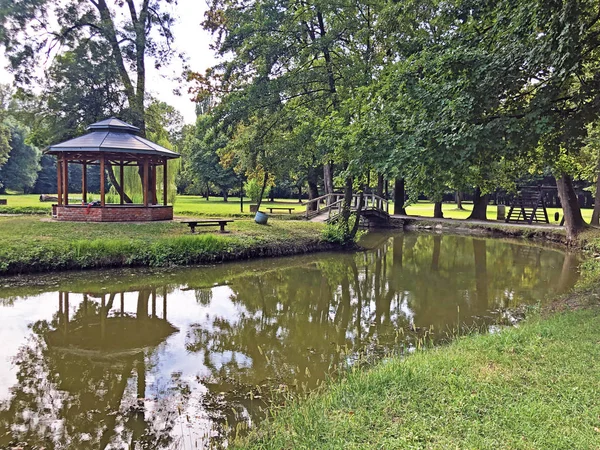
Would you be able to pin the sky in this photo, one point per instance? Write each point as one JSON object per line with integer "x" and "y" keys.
{"x": 190, "y": 39}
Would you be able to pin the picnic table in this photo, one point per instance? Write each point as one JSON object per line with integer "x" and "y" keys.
{"x": 271, "y": 208}
{"x": 207, "y": 223}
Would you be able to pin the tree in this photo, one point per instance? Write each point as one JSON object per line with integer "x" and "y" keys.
{"x": 591, "y": 153}
{"x": 5, "y": 100}
{"x": 164, "y": 123}
{"x": 202, "y": 147}
{"x": 32, "y": 27}
{"x": 550, "y": 47}
{"x": 20, "y": 171}
{"x": 287, "y": 71}
{"x": 81, "y": 88}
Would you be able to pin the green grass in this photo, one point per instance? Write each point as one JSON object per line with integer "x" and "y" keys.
{"x": 535, "y": 386}
{"x": 32, "y": 243}
{"x": 194, "y": 205}
{"x": 450, "y": 211}
{"x": 186, "y": 205}
{"x": 191, "y": 205}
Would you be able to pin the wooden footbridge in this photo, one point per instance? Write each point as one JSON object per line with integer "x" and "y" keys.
{"x": 328, "y": 207}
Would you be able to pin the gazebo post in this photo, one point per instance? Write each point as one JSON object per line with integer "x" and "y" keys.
{"x": 165, "y": 182}
{"x": 66, "y": 180}
{"x": 84, "y": 182}
{"x": 59, "y": 180}
{"x": 153, "y": 199}
{"x": 145, "y": 183}
{"x": 122, "y": 193}
{"x": 102, "y": 182}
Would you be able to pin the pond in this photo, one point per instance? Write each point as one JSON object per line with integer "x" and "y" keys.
{"x": 187, "y": 358}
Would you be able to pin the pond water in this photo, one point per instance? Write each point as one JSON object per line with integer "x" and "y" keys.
{"x": 187, "y": 358}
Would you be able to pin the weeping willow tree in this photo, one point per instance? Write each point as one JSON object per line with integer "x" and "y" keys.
{"x": 160, "y": 118}
{"x": 132, "y": 183}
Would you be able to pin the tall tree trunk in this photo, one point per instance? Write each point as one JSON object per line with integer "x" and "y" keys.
{"x": 347, "y": 209}
{"x": 596, "y": 214}
{"x": 262, "y": 190}
{"x": 458, "y": 197}
{"x": 299, "y": 193}
{"x": 328, "y": 178}
{"x": 225, "y": 193}
{"x": 354, "y": 230}
{"x": 327, "y": 168}
{"x": 346, "y": 206}
{"x": 313, "y": 192}
{"x": 572, "y": 212}
{"x": 480, "y": 203}
{"x": 115, "y": 183}
{"x": 140, "y": 26}
{"x": 380, "y": 185}
{"x": 399, "y": 196}
{"x": 437, "y": 210}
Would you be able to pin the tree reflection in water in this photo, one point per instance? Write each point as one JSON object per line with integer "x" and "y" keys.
{"x": 83, "y": 380}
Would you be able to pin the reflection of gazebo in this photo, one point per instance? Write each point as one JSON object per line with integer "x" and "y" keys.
{"x": 108, "y": 329}
{"x": 112, "y": 143}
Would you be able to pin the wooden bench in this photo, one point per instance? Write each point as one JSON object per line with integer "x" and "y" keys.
{"x": 207, "y": 223}
{"x": 3, "y": 201}
{"x": 279, "y": 207}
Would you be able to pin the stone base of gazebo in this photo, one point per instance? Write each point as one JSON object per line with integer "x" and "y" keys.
{"x": 112, "y": 213}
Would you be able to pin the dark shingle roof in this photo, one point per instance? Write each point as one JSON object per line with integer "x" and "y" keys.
{"x": 115, "y": 136}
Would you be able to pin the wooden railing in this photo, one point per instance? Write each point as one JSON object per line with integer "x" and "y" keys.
{"x": 333, "y": 203}
{"x": 321, "y": 204}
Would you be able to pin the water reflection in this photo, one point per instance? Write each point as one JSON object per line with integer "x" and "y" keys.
{"x": 107, "y": 367}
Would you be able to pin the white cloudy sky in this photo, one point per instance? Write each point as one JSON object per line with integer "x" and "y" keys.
{"x": 189, "y": 38}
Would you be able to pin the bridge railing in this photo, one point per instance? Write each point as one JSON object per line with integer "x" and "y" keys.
{"x": 373, "y": 201}
{"x": 332, "y": 203}
{"x": 320, "y": 204}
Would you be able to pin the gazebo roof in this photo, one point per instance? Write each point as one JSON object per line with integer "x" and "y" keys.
{"x": 111, "y": 136}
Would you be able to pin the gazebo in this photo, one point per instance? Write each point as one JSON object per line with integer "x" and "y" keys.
{"x": 112, "y": 143}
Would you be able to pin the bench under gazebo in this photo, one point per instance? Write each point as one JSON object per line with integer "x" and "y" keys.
{"x": 112, "y": 144}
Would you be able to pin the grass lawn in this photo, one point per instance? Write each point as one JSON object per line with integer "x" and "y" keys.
{"x": 195, "y": 205}
{"x": 536, "y": 386}
{"x": 34, "y": 243}
{"x": 191, "y": 205}
{"x": 186, "y": 205}
{"x": 450, "y": 211}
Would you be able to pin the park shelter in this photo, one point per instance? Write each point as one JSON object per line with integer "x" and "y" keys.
{"x": 112, "y": 144}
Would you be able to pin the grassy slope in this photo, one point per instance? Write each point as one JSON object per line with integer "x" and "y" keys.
{"x": 33, "y": 244}
{"x": 194, "y": 205}
{"x": 535, "y": 386}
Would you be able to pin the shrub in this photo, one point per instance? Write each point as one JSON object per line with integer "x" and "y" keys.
{"x": 253, "y": 187}
{"x": 336, "y": 233}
